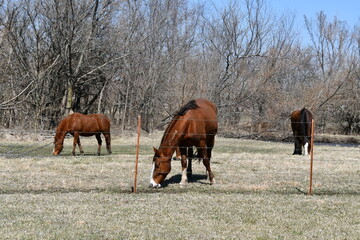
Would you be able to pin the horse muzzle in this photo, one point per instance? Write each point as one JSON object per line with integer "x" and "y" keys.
{"x": 153, "y": 184}
{"x": 55, "y": 152}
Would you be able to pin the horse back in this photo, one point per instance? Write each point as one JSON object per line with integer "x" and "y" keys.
{"x": 86, "y": 124}
{"x": 103, "y": 122}
{"x": 201, "y": 120}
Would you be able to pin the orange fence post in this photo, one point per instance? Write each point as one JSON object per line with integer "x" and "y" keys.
{"x": 311, "y": 156}
{"x": 137, "y": 154}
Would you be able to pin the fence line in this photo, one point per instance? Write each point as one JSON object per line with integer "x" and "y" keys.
{"x": 11, "y": 151}
{"x": 51, "y": 134}
{"x": 7, "y": 149}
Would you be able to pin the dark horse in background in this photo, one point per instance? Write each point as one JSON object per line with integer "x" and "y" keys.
{"x": 195, "y": 124}
{"x": 301, "y": 126}
{"x": 78, "y": 124}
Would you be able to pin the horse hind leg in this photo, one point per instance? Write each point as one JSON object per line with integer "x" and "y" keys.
{"x": 190, "y": 154}
{"x": 209, "y": 146}
{"x": 108, "y": 141}
{"x": 306, "y": 148}
{"x": 206, "y": 162}
{"x": 298, "y": 147}
{"x": 206, "y": 153}
{"x": 80, "y": 147}
{"x": 98, "y": 138}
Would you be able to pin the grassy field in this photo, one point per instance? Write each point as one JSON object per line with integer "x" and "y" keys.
{"x": 260, "y": 193}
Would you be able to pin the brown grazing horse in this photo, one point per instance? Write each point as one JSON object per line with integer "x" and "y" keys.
{"x": 195, "y": 124}
{"x": 82, "y": 125}
{"x": 301, "y": 126}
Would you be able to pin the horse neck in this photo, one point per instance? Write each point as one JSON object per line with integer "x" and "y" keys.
{"x": 171, "y": 138}
{"x": 60, "y": 132}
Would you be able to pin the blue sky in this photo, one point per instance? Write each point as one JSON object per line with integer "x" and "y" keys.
{"x": 344, "y": 10}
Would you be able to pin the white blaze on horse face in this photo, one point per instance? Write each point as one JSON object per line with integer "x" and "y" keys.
{"x": 306, "y": 148}
{"x": 152, "y": 182}
{"x": 55, "y": 152}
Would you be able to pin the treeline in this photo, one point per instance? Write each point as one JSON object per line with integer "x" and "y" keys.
{"x": 126, "y": 58}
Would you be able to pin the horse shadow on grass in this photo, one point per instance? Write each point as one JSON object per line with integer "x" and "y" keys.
{"x": 176, "y": 179}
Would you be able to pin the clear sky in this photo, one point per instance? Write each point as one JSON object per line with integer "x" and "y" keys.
{"x": 344, "y": 10}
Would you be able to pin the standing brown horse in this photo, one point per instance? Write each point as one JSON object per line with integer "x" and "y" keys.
{"x": 82, "y": 125}
{"x": 195, "y": 124}
{"x": 301, "y": 126}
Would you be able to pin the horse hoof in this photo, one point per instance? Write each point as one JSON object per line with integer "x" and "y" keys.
{"x": 183, "y": 183}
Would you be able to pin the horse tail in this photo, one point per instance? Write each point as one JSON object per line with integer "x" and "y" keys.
{"x": 304, "y": 124}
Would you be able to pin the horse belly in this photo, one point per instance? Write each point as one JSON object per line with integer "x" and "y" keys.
{"x": 84, "y": 134}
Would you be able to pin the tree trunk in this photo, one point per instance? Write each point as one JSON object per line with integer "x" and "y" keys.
{"x": 69, "y": 97}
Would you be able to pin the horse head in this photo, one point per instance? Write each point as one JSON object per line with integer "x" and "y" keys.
{"x": 161, "y": 168}
{"x": 58, "y": 142}
{"x": 57, "y": 147}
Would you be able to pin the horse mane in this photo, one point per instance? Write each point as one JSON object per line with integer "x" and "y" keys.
{"x": 181, "y": 112}
{"x": 190, "y": 105}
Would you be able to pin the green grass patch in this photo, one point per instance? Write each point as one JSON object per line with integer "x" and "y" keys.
{"x": 260, "y": 193}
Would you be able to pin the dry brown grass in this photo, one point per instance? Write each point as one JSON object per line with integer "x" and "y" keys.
{"x": 260, "y": 194}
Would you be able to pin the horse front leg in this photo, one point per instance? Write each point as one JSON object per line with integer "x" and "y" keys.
{"x": 98, "y": 138}
{"x": 76, "y": 141}
{"x": 177, "y": 154}
{"x": 184, "y": 166}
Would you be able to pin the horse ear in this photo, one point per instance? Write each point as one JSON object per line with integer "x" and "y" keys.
{"x": 156, "y": 151}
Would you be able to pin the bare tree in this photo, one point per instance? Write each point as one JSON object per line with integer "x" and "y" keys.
{"x": 331, "y": 42}
{"x": 56, "y": 50}
{"x": 236, "y": 38}
{"x": 332, "y": 48}
{"x": 247, "y": 47}
{"x": 160, "y": 36}
{"x": 148, "y": 57}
